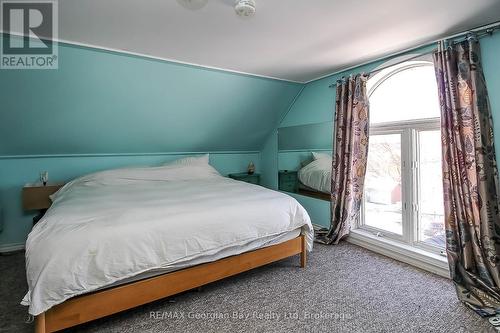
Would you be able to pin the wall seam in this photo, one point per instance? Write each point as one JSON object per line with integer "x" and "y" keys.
{"x": 291, "y": 106}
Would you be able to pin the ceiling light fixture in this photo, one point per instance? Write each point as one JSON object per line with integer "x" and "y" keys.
{"x": 244, "y": 8}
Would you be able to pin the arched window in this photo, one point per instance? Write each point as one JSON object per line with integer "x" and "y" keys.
{"x": 403, "y": 188}
{"x": 407, "y": 91}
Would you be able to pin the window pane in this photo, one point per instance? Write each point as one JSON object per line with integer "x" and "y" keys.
{"x": 431, "y": 207}
{"x": 383, "y": 183}
{"x": 409, "y": 94}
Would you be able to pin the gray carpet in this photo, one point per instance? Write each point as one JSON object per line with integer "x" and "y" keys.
{"x": 343, "y": 289}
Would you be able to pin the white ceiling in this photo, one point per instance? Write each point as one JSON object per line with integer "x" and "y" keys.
{"x": 297, "y": 40}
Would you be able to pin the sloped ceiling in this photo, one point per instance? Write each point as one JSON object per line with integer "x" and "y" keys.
{"x": 290, "y": 39}
{"x": 101, "y": 102}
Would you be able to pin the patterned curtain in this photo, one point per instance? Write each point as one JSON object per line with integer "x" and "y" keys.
{"x": 470, "y": 178}
{"x": 350, "y": 151}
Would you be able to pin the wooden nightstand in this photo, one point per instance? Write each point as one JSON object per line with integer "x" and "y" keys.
{"x": 288, "y": 181}
{"x": 36, "y": 197}
{"x": 245, "y": 177}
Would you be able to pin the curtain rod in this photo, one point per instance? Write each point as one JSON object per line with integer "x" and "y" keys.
{"x": 479, "y": 32}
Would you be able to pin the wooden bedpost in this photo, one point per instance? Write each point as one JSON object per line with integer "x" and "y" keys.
{"x": 40, "y": 323}
{"x": 303, "y": 253}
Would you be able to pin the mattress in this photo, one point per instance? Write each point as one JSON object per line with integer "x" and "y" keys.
{"x": 317, "y": 175}
{"x": 112, "y": 228}
{"x": 256, "y": 244}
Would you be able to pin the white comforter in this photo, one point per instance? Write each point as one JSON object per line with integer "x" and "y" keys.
{"x": 317, "y": 175}
{"x": 101, "y": 230}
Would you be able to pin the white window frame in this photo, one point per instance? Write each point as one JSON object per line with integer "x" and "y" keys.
{"x": 410, "y": 176}
{"x": 430, "y": 126}
{"x": 410, "y": 173}
{"x": 388, "y": 129}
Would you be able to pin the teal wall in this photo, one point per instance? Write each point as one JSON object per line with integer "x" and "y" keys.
{"x": 490, "y": 49}
{"x": 104, "y": 109}
{"x": 316, "y": 104}
{"x": 319, "y": 210}
{"x": 307, "y": 136}
{"x": 106, "y": 102}
{"x": 269, "y": 161}
{"x": 15, "y": 172}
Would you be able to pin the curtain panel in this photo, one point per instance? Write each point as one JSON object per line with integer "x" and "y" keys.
{"x": 350, "y": 152}
{"x": 470, "y": 177}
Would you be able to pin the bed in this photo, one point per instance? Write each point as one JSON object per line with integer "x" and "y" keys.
{"x": 121, "y": 238}
{"x": 315, "y": 176}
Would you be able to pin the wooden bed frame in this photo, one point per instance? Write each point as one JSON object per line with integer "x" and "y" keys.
{"x": 102, "y": 303}
{"x": 81, "y": 309}
{"x": 315, "y": 194}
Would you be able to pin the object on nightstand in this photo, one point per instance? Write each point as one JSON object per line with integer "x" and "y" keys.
{"x": 288, "y": 181}
{"x": 44, "y": 177}
{"x": 245, "y": 177}
{"x": 251, "y": 168}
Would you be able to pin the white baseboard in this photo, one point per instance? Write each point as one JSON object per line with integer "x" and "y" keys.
{"x": 11, "y": 247}
{"x": 427, "y": 261}
{"x": 415, "y": 257}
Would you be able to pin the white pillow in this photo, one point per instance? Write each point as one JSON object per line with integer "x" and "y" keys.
{"x": 317, "y": 156}
{"x": 133, "y": 175}
{"x": 189, "y": 168}
{"x": 191, "y": 160}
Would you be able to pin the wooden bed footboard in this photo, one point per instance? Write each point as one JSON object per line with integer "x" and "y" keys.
{"x": 103, "y": 303}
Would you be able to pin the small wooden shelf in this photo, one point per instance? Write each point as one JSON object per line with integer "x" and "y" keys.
{"x": 36, "y": 196}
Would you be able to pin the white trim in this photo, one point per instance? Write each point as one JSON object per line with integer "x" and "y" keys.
{"x": 418, "y": 124}
{"x": 5, "y": 248}
{"x": 170, "y": 60}
{"x": 422, "y": 259}
{"x": 398, "y": 60}
{"x": 222, "y": 152}
{"x": 416, "y": 257}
